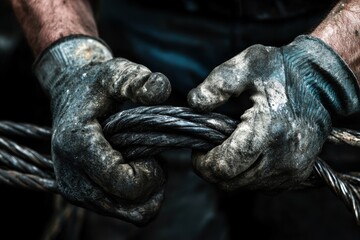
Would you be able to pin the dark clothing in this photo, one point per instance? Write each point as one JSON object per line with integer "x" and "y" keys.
{"x": 186, "y": 39}
{"x": 185, "y": 43}
{"x": 239, "y": 9}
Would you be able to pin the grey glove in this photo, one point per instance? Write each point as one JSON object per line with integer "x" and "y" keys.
{"x": 296, "y": 90}
{"x": 85, "y": 84}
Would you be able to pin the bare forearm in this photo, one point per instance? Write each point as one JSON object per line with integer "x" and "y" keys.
{"x": 341, "y": 30}
{"x": 45, "y": 21}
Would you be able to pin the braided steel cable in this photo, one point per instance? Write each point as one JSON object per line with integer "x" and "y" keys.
{"x": 147, "y": 131}
{"x": 30, "y": 155}
{"x": 15, "y": 163}
{"x": 25, "y": 130}
{"x": 27, "y": 181}
{"x": 342, "y": 185}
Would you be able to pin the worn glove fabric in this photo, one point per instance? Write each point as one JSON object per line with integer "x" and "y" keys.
{"x": 85, "y": 83}
{"x": 296, "y": 90}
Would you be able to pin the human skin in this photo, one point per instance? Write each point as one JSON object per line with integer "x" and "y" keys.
{"x": 44, "y": 22}
{"x": 341, "y": 30}
{"x": 296, "y": 90}
{"x": 85, "y": 83}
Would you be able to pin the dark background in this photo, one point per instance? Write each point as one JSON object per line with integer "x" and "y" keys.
{"x": 308, "y": 214}
{"x": 24, "y": 213}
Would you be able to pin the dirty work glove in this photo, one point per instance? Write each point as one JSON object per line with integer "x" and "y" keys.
{"x": 296, "y": 90}
{"x": 85, "y": 83}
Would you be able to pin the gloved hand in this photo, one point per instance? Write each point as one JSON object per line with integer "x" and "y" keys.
{"x": 85, "y": 83}
{"x": 296, "y": 91}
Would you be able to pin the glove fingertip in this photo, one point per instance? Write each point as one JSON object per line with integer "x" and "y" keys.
{"x": 155, "y": 90}
{"x": 200, "y": 162}
{"x": 199, "y": 101}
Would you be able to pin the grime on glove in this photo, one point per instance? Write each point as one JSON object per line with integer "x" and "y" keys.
{"x": 85, "y": 84}
{"x": 296, "y": 91}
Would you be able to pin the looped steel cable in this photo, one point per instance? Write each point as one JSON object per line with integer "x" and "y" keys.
{"x": 148, "y": 131}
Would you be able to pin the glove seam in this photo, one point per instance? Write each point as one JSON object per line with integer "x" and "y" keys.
{"x": 332, "y": 72}
{"x": 59, "y": 56}
{"x": 65, "y": 39}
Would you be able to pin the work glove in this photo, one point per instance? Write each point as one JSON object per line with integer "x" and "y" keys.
{"x": 86, "y": 84}
{"x": 296, "y": 91}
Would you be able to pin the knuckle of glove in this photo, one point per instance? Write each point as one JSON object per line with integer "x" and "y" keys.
{"x": 73, "y": 186}
{"x": 214, "y": 167}
{"x": 137, "y": 181}
{"x": 125, "y": 79}
{"x": 142, "y": 214}
{"x": 289, "y": 158}
{"x": 255, "y": 59}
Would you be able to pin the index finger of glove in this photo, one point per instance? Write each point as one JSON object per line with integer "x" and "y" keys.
{"x": 226, "y": 80}
{"x": 135, "y": 82}
{"x": 86, "y": 148}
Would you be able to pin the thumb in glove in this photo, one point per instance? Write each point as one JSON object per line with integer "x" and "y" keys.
{"x": 85, "y": 83}
{"x": 296, "y": 90}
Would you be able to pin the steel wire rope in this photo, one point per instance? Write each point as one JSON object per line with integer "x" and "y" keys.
{"x": 147, "y": 131}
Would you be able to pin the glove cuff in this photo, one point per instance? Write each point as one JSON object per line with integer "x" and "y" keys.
{"x": 73, "y": 51}
{"x": 324, "y": 73}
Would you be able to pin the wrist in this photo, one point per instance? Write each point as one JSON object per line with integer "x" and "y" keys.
{"x": 45, "y": 22}
{"x": 340, "y": 30}
{"x": 73, "y": 51}
{"x": 324, "y": 73}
